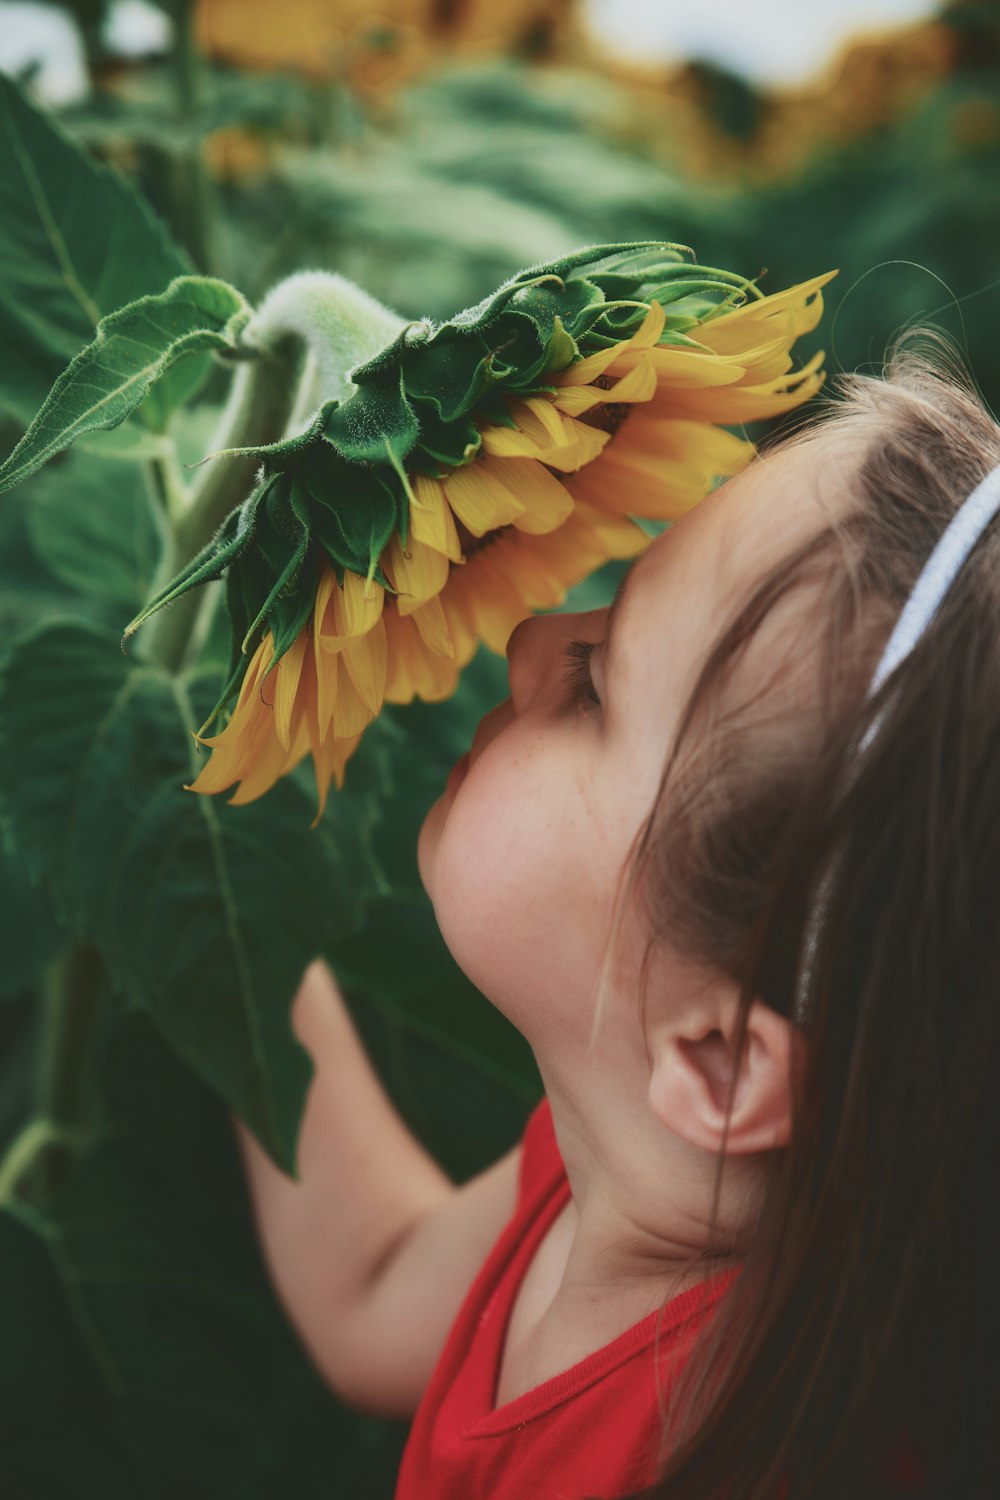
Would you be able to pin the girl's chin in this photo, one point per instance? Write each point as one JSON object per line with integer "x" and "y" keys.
{"x": 435, "y": 818}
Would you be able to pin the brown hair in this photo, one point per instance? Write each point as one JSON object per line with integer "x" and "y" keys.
{"x": 867, "y": 1305}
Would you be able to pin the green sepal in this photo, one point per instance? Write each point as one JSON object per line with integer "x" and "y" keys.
{"x": 246, "y": 587}
{"x": 445, "y": 445}
{"x": 377, "y": 413}
{"x": 285, "y": 582}
{"x": 332, "y": 537}
{"x": 354, "y": 534}
{"x": 286, "y": 451}
{"x": 495, "y": 410}
{"x": 290, "y": 615}
{"x": 225, "y": 547}
{"x": 561, "y": 350}
{"x": 573, "y": 306}
{"x": 452, "y": 378}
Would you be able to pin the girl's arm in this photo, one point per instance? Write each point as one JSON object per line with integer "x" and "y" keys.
{"x": 372, "y": 1250}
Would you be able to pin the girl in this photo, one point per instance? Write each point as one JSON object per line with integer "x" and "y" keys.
{"x": 742, "y": 909}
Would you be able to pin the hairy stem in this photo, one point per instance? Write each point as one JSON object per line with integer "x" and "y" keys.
{"x": 261, "y": 400}
{"x": 167, "y": 487}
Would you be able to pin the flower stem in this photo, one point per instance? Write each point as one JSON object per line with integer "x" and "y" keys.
{"x": 27, "y": 1153}
{"x": 260, "y": 402}
{"x": 74, "y": 991}
{"x": 167, "y": 487}
{"x": 73, "y": 988}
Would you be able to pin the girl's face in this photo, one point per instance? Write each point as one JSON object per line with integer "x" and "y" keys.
{"x": 522, "y": 852}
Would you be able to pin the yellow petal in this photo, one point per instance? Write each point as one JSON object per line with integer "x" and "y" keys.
{"x": 220, "y": 770}
{"x": 645, "y": 337}
{"x": 358, "y": 605}
{"x": 417, "y": 573}
{"x": 324, "y": 663}
{"x": 433, "y": 628}
{"x": 459, "y": 618}
{"x": 353, "y": 713}
{"x": 244, "y": 709}
{"x": 573, "y": 551}
{"x": 235, "y": 751}
{"x": 557, "y": 440}
{"x": 543, "y": 410}
{"x": 329, "y": 758}
{"x": 323, "y": 606}
{"x": 498, "y": 604}
{"x": 288, "y": 672}
{"x": 365, "y": 659}
{"x": 733, "y": 331}
{"x": 684, "y": 369}
{"x": 430, "y": 518}
{"x": 352, "y": 611}
{"x": 639, "y": 384}
{"x": 635, "y": 483}
{"x": 413, "y": 669}
{"x": 766, "y": 361}
{"x": 546, "y": 500}
{"x": 399, "y": 629}
{"x": 273, "y": 761}
{"x": 249, "y": 705}
{"x": 540, "y": 586}
{"x": 717, "y": 451}
{"x": 584, "y": 444}
{"x": 480, "y": 501}
{"x": 752, "y": 403}
{"x": 439, "y": 679}
{"x": 616, "y": 535}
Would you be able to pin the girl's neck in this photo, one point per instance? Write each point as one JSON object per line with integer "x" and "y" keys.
{"x": 638, "y": 1226}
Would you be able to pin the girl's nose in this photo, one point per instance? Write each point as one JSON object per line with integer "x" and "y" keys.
{"x": 536, "y": 648}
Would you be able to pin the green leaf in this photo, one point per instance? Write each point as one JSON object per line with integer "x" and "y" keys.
{"x": 29, "y": 933}
{"x": 205, "y": 914}
{"x": 94, "y": 527}
{"x": 47, "y": 1367}
{"x": 131, "y": 442}
{"x": 76, "y": 242}
{"x": 28, "y": 591}
{"x": 138, "y": 1308}
{"x": 134, "y": 346}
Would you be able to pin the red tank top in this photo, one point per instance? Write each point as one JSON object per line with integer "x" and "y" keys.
{"x": 593, "y": 1430}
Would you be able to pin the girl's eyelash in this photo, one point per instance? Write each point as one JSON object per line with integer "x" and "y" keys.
{"x": 577, "y": 674}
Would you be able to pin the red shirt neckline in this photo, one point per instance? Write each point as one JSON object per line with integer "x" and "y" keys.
{"x": 476, "y": 1414}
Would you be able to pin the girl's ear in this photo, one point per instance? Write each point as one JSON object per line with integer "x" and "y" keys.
{"x": 693, "y": 1062}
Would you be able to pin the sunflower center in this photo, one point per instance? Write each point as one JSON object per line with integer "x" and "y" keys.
{"x": 472, "y": 544}
{"x": 610, "y": 416}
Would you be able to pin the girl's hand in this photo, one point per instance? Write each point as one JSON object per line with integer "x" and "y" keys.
{"x": 372, "y": 1249}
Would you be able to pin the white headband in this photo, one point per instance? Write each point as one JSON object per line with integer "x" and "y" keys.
{"x": 937, "y": 576}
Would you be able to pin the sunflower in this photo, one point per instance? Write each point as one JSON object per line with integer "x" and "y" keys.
{"x": 542, "y": 494}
